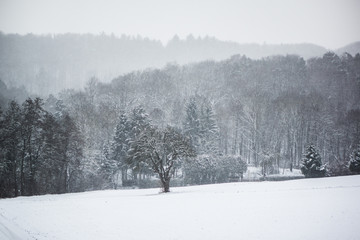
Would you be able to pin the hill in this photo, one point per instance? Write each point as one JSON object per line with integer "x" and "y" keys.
{"x": 352, "y": 48}
{"x": 49, "y": 63}
{"x": 300, "y": 209}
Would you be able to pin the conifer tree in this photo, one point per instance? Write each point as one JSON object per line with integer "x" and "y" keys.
{"x": 209, "y": 131}
{"x": 139, "y": 122}
{"x": 311, "y": 164}
{"x": 108, "y": 168}
{"x": 10, "y": 125}
{"x": 191, "y": 124}
{"x": 354, "y": 165}
{"x": 120, "y": 144}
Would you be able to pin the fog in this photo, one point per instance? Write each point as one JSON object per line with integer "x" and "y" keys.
{"x": 331, "y": 24}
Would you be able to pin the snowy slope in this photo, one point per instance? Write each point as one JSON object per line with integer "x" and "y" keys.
{"x": 326, "y": 208}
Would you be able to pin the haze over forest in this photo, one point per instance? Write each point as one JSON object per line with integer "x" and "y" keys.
{"x": 133, "y": 94}
{"x": 46, "y": 64}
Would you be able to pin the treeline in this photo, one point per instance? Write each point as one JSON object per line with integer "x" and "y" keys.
{"x": 268, "y": 109}
{"x": 235, "y": 113}
{"x": 40, "y": 152}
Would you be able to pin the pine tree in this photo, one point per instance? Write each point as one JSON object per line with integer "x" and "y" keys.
{"x": 10, "y": 127}
{"x": 139, "y": 122}
{"x": 32, "y": 143}
{"x": 311, "y": 164}
{"x": 191, "y": 124}
{"x": 120, "y": 144}
{"x": 354, "y": 165}
{"x": 108, "y": 168}
{"x": 209, "y": 131}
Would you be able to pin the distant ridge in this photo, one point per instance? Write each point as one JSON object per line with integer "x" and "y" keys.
{"x": 49, "y": 63}
{"x": 352, "y": 48}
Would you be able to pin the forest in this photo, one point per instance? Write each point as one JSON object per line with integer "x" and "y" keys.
{"x": 197, "y": 123}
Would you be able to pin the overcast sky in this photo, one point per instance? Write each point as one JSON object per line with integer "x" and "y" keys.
{"x": 330, "y": 23}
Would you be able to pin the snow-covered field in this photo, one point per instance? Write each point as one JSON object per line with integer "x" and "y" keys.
{"x": 326, "y": 208}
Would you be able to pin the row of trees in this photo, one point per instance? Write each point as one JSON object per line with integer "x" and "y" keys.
{"x": 264, "y": 111}
{"x": 141, "y": 148}
{"x": 39, "y": 152}
{"x": 312, "y": 166}
{"x": 260, "y": 113}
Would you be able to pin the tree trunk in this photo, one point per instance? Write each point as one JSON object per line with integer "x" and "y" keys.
{"x": 166, "y": 186}
{"x": 15, "y": 180}
{"x": 165, "y": 182}
{"x": 22, "y": 175}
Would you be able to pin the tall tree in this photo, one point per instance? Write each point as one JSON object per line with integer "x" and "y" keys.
{"x": 72, "y": 153}
{"x": 209, "y": 131}
{"x": 191, "y": 124}
{"x": 32, "y": 143}
{"x": 120, "y": 144}
{"x": 10, "y": 125}
{"x": 139, "y": 123}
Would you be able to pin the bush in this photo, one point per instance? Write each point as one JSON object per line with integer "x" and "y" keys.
{"x": 207, "y": 169}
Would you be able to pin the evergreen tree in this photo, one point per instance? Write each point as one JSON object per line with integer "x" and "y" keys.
{"x": 354, "y": 165}
{"x": 108, "y": 168}
{"x": 10, "y": 125}
{"x": 139, "y": 122}
{"x": 120, "y": 144}
{"x": 39, "y": 153}
{"x": 209, "y": 131}
{"x": 32, "y": 143}
{"x": 191, "y": 124}
{"x": 311, "y": 164}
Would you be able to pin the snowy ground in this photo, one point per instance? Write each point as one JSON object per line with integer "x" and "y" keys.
{"x": 326, "y": 208}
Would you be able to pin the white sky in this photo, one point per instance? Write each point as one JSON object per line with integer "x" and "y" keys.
{"x": 330, "y": 23}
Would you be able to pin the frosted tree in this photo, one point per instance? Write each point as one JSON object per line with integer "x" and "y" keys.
{"x": 235, "y": 166}
{"x": 139, "y": 122}
{"x": 108, "y": 167}
{"x": 191, "y": 124}
{"x": 162, "y": 151}
{"x": 202, "y": 170}
{"x": 120, "y": 144}
{"x": 209, "y": 130}
{"x": 354, "y": 165}
{"x": 72, "y": 154}
{"x": 311, "y": 165}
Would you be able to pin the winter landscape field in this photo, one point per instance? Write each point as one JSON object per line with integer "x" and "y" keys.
{"x": 179, "y": 120}
{"x": 325, "y": 208}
